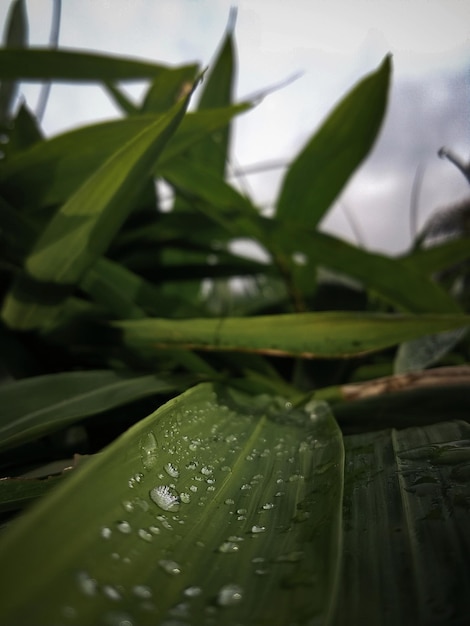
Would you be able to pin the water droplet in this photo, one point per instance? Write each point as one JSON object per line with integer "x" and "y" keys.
{"x": 128, "y": 506}
{"x": 124, "y": 527}
{"x": 258, "y": 559}
{"x": 149, "y": 451}
{"x": 172, "y": 470}
{"x": 138, "y": 477}
{"x": 142, "y": 591}
{"x": 111, "y": 592}
{"x": 113, "y": 618}
{"x": 165, "y": 498}
{"x": 258, "y": 529}
{"x": 245, "y": 487}
{"x": 268, "y": 506}
{"x": 191, "y": 465}
{"x": 229, "y": 501}
{"x": 154, "y": 530}
{"x": 170, "y": 567}
{"x": 145, "y": 535}
{"x": 206, "y": 470}
{"x": 231, "y": 439}
{"x": 143, "y": 504}
{"x": 290, "y": 557}
{"x": 86, "y": 583}
{"x": 106, "y": 532}
{"x": 230, "y": 595}
{"x": 192, "y": 592}
{"x": 185, "y": 497}
{"x": 241, "y": 511}
{"x": 193, "y": 488}
{"x": 228, "y": 547}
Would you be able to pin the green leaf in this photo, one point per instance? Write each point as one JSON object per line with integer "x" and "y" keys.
{"x": 121, "y": 100}
{"x": 420, "y": 353}
{"x": 218, "y": 504}
{"x": 217, "y": 91}
{"x": 16, "y": 37}
{"x": 167, "y": 87}
{"x": 323, "y": 167}
{"x": 39, "y": 405}
{"x": 85, "y": 225}
{"x": 439, "y": 257}
{"x": 399, "y": 282}
{"x": 24, "y": 134}
{"x": 212, "y": 196}
{"x": 406, "y": 527}
{"x": 310, "y": 335}
{"x": 49, "y": 173}
{"x": 38, "y": 64}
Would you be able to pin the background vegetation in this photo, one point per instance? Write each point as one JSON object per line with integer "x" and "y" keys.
{"x": 308, "y": 458}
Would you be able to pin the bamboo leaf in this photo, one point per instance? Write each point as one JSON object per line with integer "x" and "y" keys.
{"x": 399, "y": 282}
{"x": 39, "y": 64}
{"x": 217, "y": 91}
{"x": 320, "y": 171}
{"x": 309, "y": 335}
{"x": 16, "y": 36}
{"x": 36, "y": 406}
{"x": 406, "y": 527}
{"x": 175, "y": 522}
{"x": 83, "y": 228}
{"x": 167, "y": 87}
{"x": 439, "y": 257}
{"x": 48, "y": 174}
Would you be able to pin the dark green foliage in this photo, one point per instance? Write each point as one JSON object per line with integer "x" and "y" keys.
{"x": 111, "y": 304}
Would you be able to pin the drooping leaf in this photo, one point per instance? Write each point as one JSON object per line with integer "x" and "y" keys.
{"x": 212, "y": 506}
{"x": 320, "y": 171}
{"x": 83, "y": 228}
{"x": 309, "y": 335}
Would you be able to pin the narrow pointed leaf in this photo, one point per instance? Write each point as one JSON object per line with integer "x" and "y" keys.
{"x": 39, "y": 405}
{"x": 217, "y": 505}
{"x": 310, "y": 335}
{"x": 439, "y": 257}
{"x": 38, "y": 64}
{"x": 319, "y": 173}
{"x": 398, "y": 282}
{"x": 167, "y": 87}
{"x": 217, "y": 91}
{"x": 49, "y": 173}
{"x": 83, "y": 228}
{"x": 16, "y": 36}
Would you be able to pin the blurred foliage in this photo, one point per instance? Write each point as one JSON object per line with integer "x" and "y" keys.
{"x": 115, "y": 298}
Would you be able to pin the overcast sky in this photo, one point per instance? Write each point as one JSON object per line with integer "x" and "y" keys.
{"x": 334, "y": 43}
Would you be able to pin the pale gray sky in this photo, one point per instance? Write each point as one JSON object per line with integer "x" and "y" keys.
{"x": 334, "y": 43}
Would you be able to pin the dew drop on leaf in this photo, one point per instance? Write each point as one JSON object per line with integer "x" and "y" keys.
{"x": 170, "y": 567}
{"x": 124, "y": 527}
{"x": 230, "y": 595}
{"x": 165, "y": 497}
{"x": 149, "y": 450}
